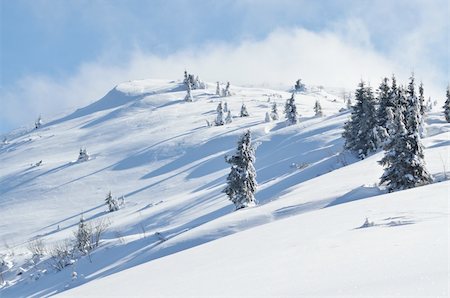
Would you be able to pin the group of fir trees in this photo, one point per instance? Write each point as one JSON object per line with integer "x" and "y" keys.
{"x": 392, "y": 121}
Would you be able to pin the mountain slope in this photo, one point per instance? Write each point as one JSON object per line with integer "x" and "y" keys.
{"x": 148, "y": 144}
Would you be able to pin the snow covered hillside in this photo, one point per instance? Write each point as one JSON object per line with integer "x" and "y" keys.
{"x": 178, "y": 235}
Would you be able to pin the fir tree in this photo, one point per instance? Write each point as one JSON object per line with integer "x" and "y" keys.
{"x": 188, "y": 96}
{"x": 447, "y": 106}
{"x": 241, "y": 181}
{"x": 423, "y": 108}
{"x": 386, "y": 101}
{"x": 83, "y": 237}
{"x": 318, "y": 109}
{"x": 274, "y": 113}
{"x": 225, "y": 107}
{"x": 244, "y": 112}
{"x": 220, "y": 118}
{"x": 349, "y": 103}
{"x": 113, "y": 204}
{"x": 38, "y": 122}
{"x": 404, "y": 160}
{"x": 226, "y": 91}
{"x": 267, "y": 119}
{"x": 229, "y": 118}
{"x": 360, "y": 132}
{"x": 290, "y": 111}
{"x": 414, "y": 122}
{"x": 218, "y": 89}
{"x": 83, "y": 155}
{"x": 299, "y": 86}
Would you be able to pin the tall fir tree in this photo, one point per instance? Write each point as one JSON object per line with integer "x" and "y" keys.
{"x": 447, "y": 106}
{"x": 404, "y": 160}
{"x": 290, "y": 111}
{"x": 360, "y": 132}
{"x": 241, "y": 181}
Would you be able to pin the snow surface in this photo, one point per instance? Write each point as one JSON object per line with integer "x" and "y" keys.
{"x": 178, "y": 235}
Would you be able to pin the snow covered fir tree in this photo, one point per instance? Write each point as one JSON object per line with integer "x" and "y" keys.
{"x": 83, "y": 155}
{"x": 360, "y": 132}
{"x": 244, "y": 112}
{"x": 404, "y": 159}
{"x": 220, "y": 116}
{"x": 274, "y": 113}
{"x": 318, "y": 109}
{"x": 241, "y": 181}
{"x": 290, "y": 111}
{"x": 188, "y": 96}
{"x": 83, "y": 237}
{"x": 299, "y": 86}
{"x": 112, "y": 203}
{"x": 447, "y": 106}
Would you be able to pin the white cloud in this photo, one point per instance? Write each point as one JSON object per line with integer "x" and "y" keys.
{"x": 329, "y": 58}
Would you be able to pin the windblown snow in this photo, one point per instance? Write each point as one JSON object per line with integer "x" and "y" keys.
{"x": 322, "y": 225}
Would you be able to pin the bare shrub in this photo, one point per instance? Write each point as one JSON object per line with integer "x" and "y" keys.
{"x": 37, "y": 247}
{"x": 61, "y": 254}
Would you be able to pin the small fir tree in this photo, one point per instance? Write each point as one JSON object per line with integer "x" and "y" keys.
{"x": 218, "y": 89}
{"x": 318, "y": 109}
{"x": 423, "y": 108}
{"x": 244, "y": 112}
{"x": 267, "y": 119}
{"x": 241, "y": 181}
{"x": 113, "y": 204}
{"x": 229, "y": 118}
{"x": 299, "y": 86}
{"x": 188, "y": 96}
{"x": 447, "y": 106}
{"x": 38, "y": 122}
{"x": 274, "y": 113}
{"x": 83, "y": 237}
{"x": 290, "y": 111}
{"x": 226, "y": 91}
{"x": 83, "y": 155}
{"x": 225, "y": 107}
{"x": 219, "y": 118}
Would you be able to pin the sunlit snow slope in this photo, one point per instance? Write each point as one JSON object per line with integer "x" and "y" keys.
{"x": 149, "y": 145}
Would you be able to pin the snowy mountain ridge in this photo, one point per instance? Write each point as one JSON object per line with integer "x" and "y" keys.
{"x": 177, "y": 227}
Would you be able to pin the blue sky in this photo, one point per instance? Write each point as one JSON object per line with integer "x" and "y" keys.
{"x": 52, "y": 50}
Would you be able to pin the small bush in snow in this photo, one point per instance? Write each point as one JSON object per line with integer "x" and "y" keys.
{"x": 37, "y": 247}
{"x": 61, "y": 255}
